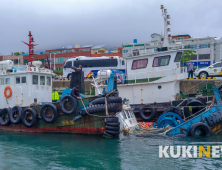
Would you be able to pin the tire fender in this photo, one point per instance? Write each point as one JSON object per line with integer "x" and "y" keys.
{"x": 73, "y": 102}
{"x": 153, "y": 112}
{"x": 25, "y": 115}
{"x": 5, "y": 111}
{"x": 19, "y": 110}
{"x": 54, "y": 110}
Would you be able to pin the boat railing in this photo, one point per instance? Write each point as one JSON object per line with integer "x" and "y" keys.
{"x": 161, "y": 75}
{"x": 142, "y": 77}
{"x": 138, "y": 52}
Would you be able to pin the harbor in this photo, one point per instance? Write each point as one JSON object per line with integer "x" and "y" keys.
{"x": 154, "y": 104}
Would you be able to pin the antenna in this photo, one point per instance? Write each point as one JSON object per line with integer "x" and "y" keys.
{"x": 31, "y": 46}
{"x": 166, "y": 23}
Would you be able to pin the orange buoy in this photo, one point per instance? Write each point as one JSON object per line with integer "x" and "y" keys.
{"x": 10, "y": 92}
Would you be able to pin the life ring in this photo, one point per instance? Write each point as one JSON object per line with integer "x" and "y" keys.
{"x": 119, "y": 78}
{"x": 10, "y": 92}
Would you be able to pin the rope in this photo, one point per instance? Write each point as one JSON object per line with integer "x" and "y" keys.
{"x": 107, "y": 115}
{"x": 88, "y": 112}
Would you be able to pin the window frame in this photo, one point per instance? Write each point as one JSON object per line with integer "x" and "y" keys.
{"x": 48, "y": 84}
{"x": 140, "y": 67}
{"x": 9, "y": 81}
{"x": 177, "y": 56}
{"x": 33, "y": 80}
{"x": 16, "y": 80}
{"x": 159, "y": 61}
{"x": 2, "y": 80}
{"x": 40, "y": 81}
{"x": 25, "y": 80}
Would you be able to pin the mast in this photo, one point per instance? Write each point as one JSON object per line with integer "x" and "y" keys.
{"x": 31, "y": 46}
{"x": 166, "y": 22}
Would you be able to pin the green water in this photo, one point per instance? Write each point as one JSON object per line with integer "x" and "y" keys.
{"x": 66, "y": 151}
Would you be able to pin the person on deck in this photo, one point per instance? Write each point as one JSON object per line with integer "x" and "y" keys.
{"x": 75, "y": 92}
{"x": 80, "y": 67}
{"x": 190, "y": 70}
{"x": 55, "y": 95}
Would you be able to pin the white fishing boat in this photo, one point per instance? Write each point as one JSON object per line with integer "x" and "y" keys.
{"x": 152, "y": 74}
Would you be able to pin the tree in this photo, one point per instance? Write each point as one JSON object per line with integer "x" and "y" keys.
{"x": 16, "y": 53}
{"x": 187, "y": 55}
{"x": 22, "y": 53}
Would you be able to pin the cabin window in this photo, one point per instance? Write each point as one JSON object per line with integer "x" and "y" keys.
{"x": 7, "y": 81}
{"x": 35, "y": 79}
{"x": 124, "y": 116}
{"x": 23, "y": 79}
{"x": 178, "y": 57}
{"x": 49, "y": 81}
{"x": 2, "y": 81}
{"x": 161, "y": 61}
{"x": 123, "y": 62}
{"x": 127, "y": 114}
{"x": 68, "y": 64}
{"x": 17, "y": 80}
{"x": 42, "y": 80}
{"x": 138, "y": 64}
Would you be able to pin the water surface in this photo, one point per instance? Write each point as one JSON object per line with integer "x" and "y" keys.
{"x": 67, "y": 151}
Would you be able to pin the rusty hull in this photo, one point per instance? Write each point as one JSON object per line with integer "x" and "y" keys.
{"x": 85, "y": 125}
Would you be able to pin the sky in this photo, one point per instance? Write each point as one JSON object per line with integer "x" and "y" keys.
{"x": 59, "y": 23}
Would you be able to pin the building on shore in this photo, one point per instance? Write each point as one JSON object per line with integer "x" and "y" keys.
{"x": 59, "y": 56}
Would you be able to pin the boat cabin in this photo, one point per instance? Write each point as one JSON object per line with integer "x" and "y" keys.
{"x": 24, "y": 85}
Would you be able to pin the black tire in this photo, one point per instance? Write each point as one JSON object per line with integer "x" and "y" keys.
{"x": 108, "y": 135}
{"x": 115, "y": 124}
{"x": 45, "y": 117}
{"x": 153, "y": 113}
{"x": 203, "y": 128}
{"x": 112, "y": 119}
{"x": 203, "y": 72}
{"x": 174, "y": 110}
{"x": 113, "y": 128}
{"x": 109, "y": 100}
{"x": 16, "y": 115}
{"x": 69, "y": 76}
{"x": 5, "y": 116}
{"x": 113, "y": 133}
{"x": 196, "y": 109}
{"x": 73, "y": 103}
{"x": 26, "y": 117}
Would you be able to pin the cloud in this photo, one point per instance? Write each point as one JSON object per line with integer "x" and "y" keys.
{"x": 58, "y": 23}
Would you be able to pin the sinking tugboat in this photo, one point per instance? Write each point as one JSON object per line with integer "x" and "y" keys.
{"x": 203, "y": 123}
{"x": 27, "y": 106}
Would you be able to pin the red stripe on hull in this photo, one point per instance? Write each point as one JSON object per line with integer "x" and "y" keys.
{"x": 77, "y": 130}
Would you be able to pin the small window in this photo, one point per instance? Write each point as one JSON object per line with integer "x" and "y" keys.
{"x": 42, "y": 80}
{"x": 124, "y": 116}
{"x": 23, "y": 79}
{"x": 68, "y": 64}
{"x": 17, "y": 80}
{"x": 178, "y": 57}
{"x": 49, "y": 81}
{"x": 193, "y": 57}
{"x": 123, "y": 62}
{"x": 161, "y": 61}
{"x": 2, "y": 81}
{"x": 127, "y": 114}
{"x": 138, "y": 64}
{"x": 7, "y": 81}
{"x": 217, "y": 65}
{"x": 35, "y": 79}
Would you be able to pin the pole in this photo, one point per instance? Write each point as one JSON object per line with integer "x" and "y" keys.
{"x": 54, "y": 60}
{"x": 50, "y": 62}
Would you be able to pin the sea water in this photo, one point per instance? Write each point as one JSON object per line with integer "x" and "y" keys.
{"x": 70, "y": 151}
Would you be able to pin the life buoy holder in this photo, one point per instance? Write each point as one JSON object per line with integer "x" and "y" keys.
{"x": 119, "y": 78}
{"x": 10, "y": 92}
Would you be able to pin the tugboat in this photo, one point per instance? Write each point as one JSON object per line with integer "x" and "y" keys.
{"x": 27, "y": 106}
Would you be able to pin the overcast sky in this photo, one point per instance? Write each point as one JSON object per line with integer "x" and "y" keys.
{"x": 58, "y": 23}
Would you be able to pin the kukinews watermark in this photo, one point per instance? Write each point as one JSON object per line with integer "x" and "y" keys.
{"x": 192, "y": 151}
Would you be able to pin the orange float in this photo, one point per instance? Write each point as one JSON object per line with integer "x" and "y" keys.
{"x": 10, "y": 92}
